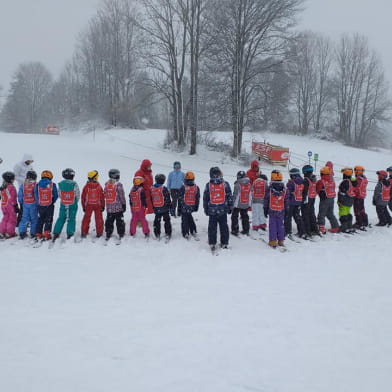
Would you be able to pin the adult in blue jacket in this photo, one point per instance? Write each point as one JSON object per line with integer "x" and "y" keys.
{"x": 175, "y": 181}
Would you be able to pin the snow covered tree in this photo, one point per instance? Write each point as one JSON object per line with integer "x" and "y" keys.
{"x": 362, "y": 101}
{"x": 27, "y": 106}
{"x": 247, "y": 35}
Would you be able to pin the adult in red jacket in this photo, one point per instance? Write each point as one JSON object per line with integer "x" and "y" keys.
{"x": 146, "y": 172}
{"x": 254, "y": 171}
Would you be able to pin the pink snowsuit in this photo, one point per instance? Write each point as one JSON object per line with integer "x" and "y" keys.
{"x": 8, "y": 201}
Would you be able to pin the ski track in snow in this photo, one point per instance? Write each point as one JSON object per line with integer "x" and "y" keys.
{"x": 150, "y": 316}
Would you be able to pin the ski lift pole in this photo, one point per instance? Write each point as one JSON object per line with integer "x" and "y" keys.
{"x": 316, "y": 156}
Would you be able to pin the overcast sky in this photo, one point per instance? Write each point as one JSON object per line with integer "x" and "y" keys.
{"x": 46, "y": 30}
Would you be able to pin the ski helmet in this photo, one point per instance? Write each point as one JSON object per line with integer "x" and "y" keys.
{"x": 382, "y": 174}
{"x": 307, "y": 169}
{"x": 347, "y": 171}
{"x": 93, "y": 175}
{"x": 215, "y": 172}
{"x": 189, "y": 176}
{"x": 160, "y": 178}
{"x": 138, "y": 181}
{"x": 276, "y": 175}
{"x": 389, "y": 169}
{"x": 114, "y": 174}
{"x": 359, "y": 169}
{"x": 241, "y": 174}
{"x": 325, "y": 170}
{"x": 294, "y": 172}
{"x": 8, "y": 176}
{"x": 177, "y": 165}
{"x": 31, "y": 175}
{"x": 68, "y": 174}
{"x": 47, "y": 174}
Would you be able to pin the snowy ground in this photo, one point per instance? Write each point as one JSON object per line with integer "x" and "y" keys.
{"x": 172, "y": 317}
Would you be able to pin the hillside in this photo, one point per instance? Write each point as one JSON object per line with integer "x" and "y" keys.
{"x": 172, "y": 317}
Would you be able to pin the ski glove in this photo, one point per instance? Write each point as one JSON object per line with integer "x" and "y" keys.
{"x": 102, "y": 209}
{"x": 16, "y": 208}
{"x": 266, "y": 213}
{"x": 124, "y": 207}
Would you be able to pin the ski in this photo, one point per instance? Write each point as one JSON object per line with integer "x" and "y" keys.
{"x": 291, "y": 238}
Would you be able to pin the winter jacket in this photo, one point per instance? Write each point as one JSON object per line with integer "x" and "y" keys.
{"x": 320, "y": 185}
{"x": 92, "y": 195}
{"x": 291, "y": 188}
{"x": 166, "y": 200}
{"x": 175, "y": 179}
{"x": 143, "y": 200}
{"x": 8, "y": 195}
{"x": 148, "y": 181}
{"x": 254, "y": 171}
{"x": 44, "y": 183}
{"x": 237, "y": 194}
{"x": 346, "y": 192}
{"x": 186, "y": 208}
{"x": 21, "y": 169}
{"x": 378, "y": 193}
{"x": 259, "y": 200}
{"x": 277, "y": 188}
{"x": 22, "y": 189}
{"x": 217, "y": 209}
{"x": 309, "y": 178}
{"x": 119, "y": 205}
{"x": 69, "y": 186}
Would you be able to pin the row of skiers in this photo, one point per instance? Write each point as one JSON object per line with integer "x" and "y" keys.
{"x": 251, "y": 190}
{"x": 36, "y": 200}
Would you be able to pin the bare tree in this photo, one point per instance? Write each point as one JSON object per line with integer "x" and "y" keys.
{"x": 166, "y": 40}
{"x": 26, "y": 107}
{"x": 362, "y": 101}
{"x": 248, "y": 34}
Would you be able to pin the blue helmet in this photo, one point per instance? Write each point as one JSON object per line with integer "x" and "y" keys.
{"x": 307, "y": 169}
{"x": 294, "y": 172}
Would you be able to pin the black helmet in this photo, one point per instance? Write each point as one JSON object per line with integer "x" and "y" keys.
{"x": 215, "y": 172}
{"x": 294, "y": 172}
{"x": 68, "y": 174}
{"x": 177, "y": 165}
{"x": 31, "y": 175}
{"x": 389, "y": 169}
{"x": 307, "y": 169}
{"x": 8, "y": 176}
{"x": 241, "y": 174}
{"x": 160, "y": 178}
{"x": 114, "y": 174}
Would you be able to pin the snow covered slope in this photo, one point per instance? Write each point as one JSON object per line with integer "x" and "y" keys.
{"x": 172, "y": 317}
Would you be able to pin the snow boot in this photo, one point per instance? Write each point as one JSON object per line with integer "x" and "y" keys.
{"x": 272, "y": 243}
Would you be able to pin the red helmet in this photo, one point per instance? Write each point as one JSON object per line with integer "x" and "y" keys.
{"x": 382, "y": 174}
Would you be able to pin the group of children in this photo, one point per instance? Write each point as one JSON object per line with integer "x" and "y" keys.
{"x": 281, "y": 203}
{"x": 35, "y": 200}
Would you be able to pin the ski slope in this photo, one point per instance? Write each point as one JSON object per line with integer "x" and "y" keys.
{"x": 172, "y": 317}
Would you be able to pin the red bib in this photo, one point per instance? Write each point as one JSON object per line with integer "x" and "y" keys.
{"x": 110, "y": 193}
{"x": 67, "y": 198}
{"x": 5, "y": 195}
{"x": 190, "y": 195}
{"x": 277, "y": 202}
{"x": 258, "y": 188}
{"x": 45, "y": 195}
{"x": 136, "y": 200}
{"x": 217, "y": 193}
{"x": 312, "y": 193}
{"x": 28, "y": 193}
{"x": 157, "y": 197}
{"x": 298, "y": 192}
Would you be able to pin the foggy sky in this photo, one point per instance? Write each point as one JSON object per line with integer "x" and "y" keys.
{"x": 46, "y": 30}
